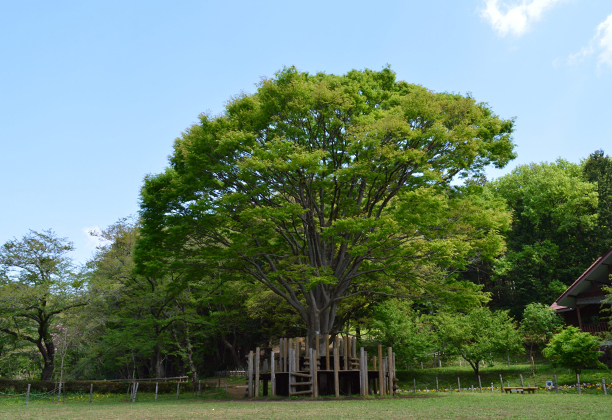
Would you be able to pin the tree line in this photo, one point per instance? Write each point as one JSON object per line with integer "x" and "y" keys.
{"x": 319, "y": 204}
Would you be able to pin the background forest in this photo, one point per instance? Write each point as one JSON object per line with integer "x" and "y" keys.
{"x": 151, "y": 303}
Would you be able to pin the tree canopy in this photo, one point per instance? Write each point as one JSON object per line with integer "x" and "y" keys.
{"x": 37, "y": 283}
{"x": 325, "y": 187}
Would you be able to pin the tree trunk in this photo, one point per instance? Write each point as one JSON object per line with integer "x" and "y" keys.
{"x": 158, "y": 362}
{"x": 47, "y": 351}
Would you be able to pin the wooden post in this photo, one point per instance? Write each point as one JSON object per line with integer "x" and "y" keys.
{"x": 156, "y": 388}
{"x": 136, "y": 391}
{"x": 91, "y": 393}
{"x": 257, "y": 356}
{"x": 479, "y": 384}
{"x": 346, "y": 346}
{"x": 437, "y": 386}
{"x": 291, "y": 370}
{"x": 459, "y": 383}
{"x": 579, "y": 387}
{"x": 272, "y": 375}
{"x": 603, "y": 384}
{"x": 556, "y": 387}
{"x": 390, "y": 370}
{"x": 414, "y": 384}
{"x": 315, "y": 378}
{"x": 385, "y": 366}
{"x": 522, "y": 384}
{"x": 327, "y": 365}
{"x": 381, "y": 377}
{"x": 501, "y": 382}
{"x": 178, "y": 385}
{"x": 250, "y": 373}
{"x": 200, "y": 386}
{"x": 317, "y": 345}
{"x": 59, "y": 392}
{"x": 28, "y": 395}
{"x": 491, "y": 386}
{"x": 361, "y": 387}
{"x": 336, "y": 369}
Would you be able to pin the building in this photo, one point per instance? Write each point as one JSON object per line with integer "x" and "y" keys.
{"x": 580, "y": 304}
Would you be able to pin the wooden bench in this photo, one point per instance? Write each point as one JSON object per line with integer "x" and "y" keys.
{"x": 521, "y": 389}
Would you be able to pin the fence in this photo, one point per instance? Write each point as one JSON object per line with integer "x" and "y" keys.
{"x": 231, "y": 373}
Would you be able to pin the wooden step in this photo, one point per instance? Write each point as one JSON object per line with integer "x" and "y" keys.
{"x": 301, "y": 384}
{"x": 301, "y": 375}
{"x": 300, "y": 393}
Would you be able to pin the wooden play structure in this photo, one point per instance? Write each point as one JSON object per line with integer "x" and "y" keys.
{"x": 332, "y": 368}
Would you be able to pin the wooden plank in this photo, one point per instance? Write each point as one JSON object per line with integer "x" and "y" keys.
{"x": 327, "y": 366}
{"x": 257, "y": 357}
{"x": 381, "y": 378}
{"x": 317, "y": 346}
{"x": 300, "y": 393}
{"x": 336, "y": 369}
{"x": 250, "y": 373}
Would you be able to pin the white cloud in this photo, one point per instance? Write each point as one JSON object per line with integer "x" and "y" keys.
{"x": 600, "y": 45}
{"x": 515, "y": 17}
{"x": 93, "y": 238}
{"x": 603, "y": 41}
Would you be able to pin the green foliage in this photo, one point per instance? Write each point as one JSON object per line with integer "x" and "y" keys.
{"x": 549, "y": 245}
{"x": 597, "y": 169}
{"x": 325, "y": 187}
{"x": 573, "y": 349}
{"x": 478, "y": 335}
{"x": 539, "y": 323}
{"x": 37, "y": 283}
{"x": 396, "y": 324}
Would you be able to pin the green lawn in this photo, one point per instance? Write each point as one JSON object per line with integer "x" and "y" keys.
{"x": 457, "y": 406}
{"x": 447, "y": 376}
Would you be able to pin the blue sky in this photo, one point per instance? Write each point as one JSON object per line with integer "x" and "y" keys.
{"x": 92, "y": 94}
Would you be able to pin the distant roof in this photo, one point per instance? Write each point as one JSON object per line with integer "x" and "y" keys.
{"x": 598, "y": 271}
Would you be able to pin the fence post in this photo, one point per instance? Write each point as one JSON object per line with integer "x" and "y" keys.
{"x": 603, "y": 383}
{"x": 200, "y": 387}
{"x": 90, "y": 393}
{"x": 459, "y": 383}
{"x": 579, "y": 388}
{"x": 556, "y": 387}
{"x": 479, "y": 384}
{"x": 437, "y": 387}
{"x": 522, "y": 385}
{"x": 501, "y": 382}
{"x": 178, "y": 384}
{"x": 28, "y": 394}
{"x": 156, "y": 387}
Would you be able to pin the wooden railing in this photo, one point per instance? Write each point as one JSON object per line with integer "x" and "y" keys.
{"x": 596, "y": 327}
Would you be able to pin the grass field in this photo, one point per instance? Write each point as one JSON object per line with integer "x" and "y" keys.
{"x": 448, "y": 406}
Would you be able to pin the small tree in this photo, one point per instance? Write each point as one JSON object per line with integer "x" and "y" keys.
{"x": 573, "y": 349}
{"x": 477, "y": 335}
{"x": 538, "y": 326}
{"x": 396, "y": 324}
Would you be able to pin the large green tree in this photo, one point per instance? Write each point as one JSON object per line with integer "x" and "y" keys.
{"x": 37, "y": 283}
{"x": 325, "y": 187}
